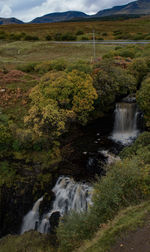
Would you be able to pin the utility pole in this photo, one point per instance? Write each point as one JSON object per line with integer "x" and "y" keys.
{"x": 94, "y": 45}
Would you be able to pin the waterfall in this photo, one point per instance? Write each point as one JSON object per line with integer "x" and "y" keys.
{"x": 125, "y": 126}
{"x": 69, "y": 196}
{"x": 30, "y": 221}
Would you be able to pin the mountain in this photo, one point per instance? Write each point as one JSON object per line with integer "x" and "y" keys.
{"x": 59, "y": 16}
{"x": 137, "y": 7}
{"x": 5, "y": 21}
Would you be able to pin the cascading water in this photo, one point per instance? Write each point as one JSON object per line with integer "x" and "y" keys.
{"x": 31, "y": 219}
{"x": 69, "y": 196}
{"x": 125, "y": 126}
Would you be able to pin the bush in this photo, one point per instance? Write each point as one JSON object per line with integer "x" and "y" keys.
{"x": 5, "y": 137}
{"x": 104, "y": 34}
{"x": 48, "y": 37}
{"x": 57, "y": 65}
{"x": 3, "y": 36}
{"x": 78, "y": 33}
{"x": 58, "y": 37}
{"x": 143, "y": 99}
{"x": 139, "y": 68}
{"x": 111, "y": 82}
{"x": 100, "y": 38}
{"x": 68, "y": 37}
{"x": 143, "y": 141}
{"x": 28, "y": 68}
{"x": 30, "y": 38}
{"x": 80, "y": 66}
{"x": 84, "y": 38}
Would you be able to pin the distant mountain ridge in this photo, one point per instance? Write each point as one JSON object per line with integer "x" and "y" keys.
{"x": 136, "y": 7}
{"x": 59, "y": 16}
{"x": 5, "y": 21}
{"x": 139, "y": 7}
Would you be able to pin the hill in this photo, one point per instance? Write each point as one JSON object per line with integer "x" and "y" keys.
{"x": 137, "y": 7}
{"x": 6, "y": 21}
{"x": 59, "y": 16}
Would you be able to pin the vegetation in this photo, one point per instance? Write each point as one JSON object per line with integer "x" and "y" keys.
{"x": 43, "y": 98}
{"x": 126, "y": 221}
{"x": 144, "y": 99}
{"x": 105, "y": 28}
{"x": 127, "y": 183}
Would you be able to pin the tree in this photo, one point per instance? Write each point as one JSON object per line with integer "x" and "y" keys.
{"x": 46, "y": 121}
{"x": 71, "y": 94}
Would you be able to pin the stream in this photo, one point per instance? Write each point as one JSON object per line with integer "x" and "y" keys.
{"x": 98, "y": 148}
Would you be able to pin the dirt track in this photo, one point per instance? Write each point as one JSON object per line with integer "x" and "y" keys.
{"x": 138, "y": 241}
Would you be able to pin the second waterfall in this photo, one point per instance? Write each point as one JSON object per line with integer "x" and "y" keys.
{"x": 125, "y": 125}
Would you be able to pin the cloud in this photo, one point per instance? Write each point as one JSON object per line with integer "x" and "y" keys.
{"x": 5, "y": 11}
{"x": 26, "y": 10}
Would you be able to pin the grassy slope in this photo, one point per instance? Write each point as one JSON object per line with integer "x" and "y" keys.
{"x": 132, "y": 26}
{"x": 127, "y": 220}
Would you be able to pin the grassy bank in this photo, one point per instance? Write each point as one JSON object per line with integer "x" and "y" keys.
{"x": 127, "y": 220}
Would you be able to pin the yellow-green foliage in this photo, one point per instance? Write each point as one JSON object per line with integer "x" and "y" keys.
{"x": 143, "y": 99}
{"x": 5, "y": 136}
{"x": 58, "y": 98}
{"x": 28, "y": 242}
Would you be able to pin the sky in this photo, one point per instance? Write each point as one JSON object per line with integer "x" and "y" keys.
{"x": 27, "y": 10}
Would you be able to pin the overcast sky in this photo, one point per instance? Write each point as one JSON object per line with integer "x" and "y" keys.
{"x": 27, "y": 10}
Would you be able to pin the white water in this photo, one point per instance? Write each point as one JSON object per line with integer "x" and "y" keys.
{"x": 70, "y": 196}
{"x": 125, "y": 126}
{"x": 111, "y": 158}
{"x": 32, "y": 218}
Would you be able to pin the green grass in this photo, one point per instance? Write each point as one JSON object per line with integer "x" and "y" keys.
{"x": 28, "y": 242}
{"x": 22, "y": 52}
{"x": 127, "y": 220}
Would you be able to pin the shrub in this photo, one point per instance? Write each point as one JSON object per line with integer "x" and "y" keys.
{"x": 78, "y": 33}
{"x": 31, "y": 38}
{"x": 139, "y": 69}
{"x": 80, "y": 66}
{"x": 143, "y": 141}
{"x": 84, "y": 38}
{"x": 100, "y": 38}
{"x": 68, "y": 37}
{"x": 71, "y": 94}
{"x": 5, "y": 137}
{"x": 57, "y": 65}
{"x": 143, "y": 99}
{"x": 3, "y": 36}
{"x": 111, "y": 82}
{"x": 28, "y": 68}
{"x": 58, "y": 37}
{"x": 48, "y": 37}
{"x": 104, "y": 34}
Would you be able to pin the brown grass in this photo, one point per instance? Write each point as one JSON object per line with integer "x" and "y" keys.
{"x": 133, "y": 26}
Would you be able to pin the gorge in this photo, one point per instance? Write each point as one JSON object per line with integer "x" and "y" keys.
{"x": 77, "y": 196}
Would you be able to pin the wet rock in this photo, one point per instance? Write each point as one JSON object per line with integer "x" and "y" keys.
{"x": 54, "y": 221}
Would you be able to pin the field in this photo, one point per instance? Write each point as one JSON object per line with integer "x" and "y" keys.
{"x": 137, "y": 28}
{"x": 22, "y": 52}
